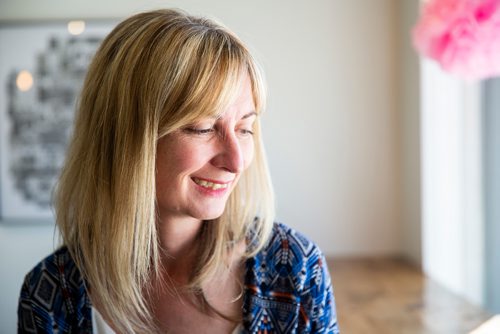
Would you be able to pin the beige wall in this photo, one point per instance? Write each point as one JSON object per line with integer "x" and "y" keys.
{"x": 333, "y": 127}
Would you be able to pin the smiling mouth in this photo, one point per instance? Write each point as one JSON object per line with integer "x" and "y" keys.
{"x": 210, "y": 185}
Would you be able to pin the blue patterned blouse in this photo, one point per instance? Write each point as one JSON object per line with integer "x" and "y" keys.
{"x": 287, "y": 290}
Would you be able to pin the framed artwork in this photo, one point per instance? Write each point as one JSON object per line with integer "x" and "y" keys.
{"x": 42, "y": 68}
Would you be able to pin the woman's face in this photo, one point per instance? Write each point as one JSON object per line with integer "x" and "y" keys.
{"x": 198, "y": 166}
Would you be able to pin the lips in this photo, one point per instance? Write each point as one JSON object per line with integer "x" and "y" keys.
{"x": 210, "y": 184}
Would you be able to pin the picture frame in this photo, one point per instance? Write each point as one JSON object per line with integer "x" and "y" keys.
{"x": 42, "y": 68}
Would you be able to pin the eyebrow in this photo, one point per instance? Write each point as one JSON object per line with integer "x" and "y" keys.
{"x": 250, "y": 114}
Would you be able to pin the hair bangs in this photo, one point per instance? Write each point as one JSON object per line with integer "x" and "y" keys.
{"x": 212, "y": 82}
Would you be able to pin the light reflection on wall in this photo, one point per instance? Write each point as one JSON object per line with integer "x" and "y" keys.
{"x": 24, "y": 81}
{"x": 76, "y": 27}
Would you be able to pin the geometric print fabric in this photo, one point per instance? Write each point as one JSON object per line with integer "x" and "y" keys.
{"x": 287, "y": 290}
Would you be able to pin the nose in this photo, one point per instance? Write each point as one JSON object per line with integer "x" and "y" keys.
{"x": 230, "y": 155}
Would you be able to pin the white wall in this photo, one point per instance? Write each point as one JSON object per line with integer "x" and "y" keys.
{"x": 331, "y": 129}
{"x": 452, "y": 204}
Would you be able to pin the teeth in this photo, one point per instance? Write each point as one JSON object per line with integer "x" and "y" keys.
{"x": 210, "y": 185}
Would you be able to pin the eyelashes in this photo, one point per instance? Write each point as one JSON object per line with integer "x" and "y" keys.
{"x": 246, "y": 132}
{"x": 199, "y": 132}
{"x": 212, "y": 130}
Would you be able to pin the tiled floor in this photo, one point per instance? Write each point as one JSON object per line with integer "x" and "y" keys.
{"x": 389, "y": 296}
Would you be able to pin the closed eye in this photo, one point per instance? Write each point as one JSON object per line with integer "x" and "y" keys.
{"x": 200, "y": 131}
{"x": 246, "y": 132}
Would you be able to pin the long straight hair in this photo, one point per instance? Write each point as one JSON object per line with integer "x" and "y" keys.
{"x": 154, "y": 73}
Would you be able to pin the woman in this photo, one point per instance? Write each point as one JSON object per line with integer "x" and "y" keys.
{"x": 165, "y": 205}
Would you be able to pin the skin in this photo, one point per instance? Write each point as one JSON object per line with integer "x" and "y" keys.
{"x": 218, "y": 150}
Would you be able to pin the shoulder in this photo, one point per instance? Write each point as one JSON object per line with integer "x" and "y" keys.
{"x": 287, "y": 260}
{"x": 56, "y": 271}
{"x": 52, "y": 266}
{"x": 53, "y": 295}
{"x": 289, "y": 280}
{"x": 290, "y": 246}
{"x": 285, "y": 237}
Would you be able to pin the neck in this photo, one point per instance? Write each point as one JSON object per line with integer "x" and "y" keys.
{"x": 178, "y": 239}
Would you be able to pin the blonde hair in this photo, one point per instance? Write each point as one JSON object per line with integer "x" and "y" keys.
{"x": 154, "y": 73}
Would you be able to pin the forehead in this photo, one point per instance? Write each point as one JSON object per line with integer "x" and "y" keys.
{"x": 242, "y": 102}
{"x": 244, "y": 95}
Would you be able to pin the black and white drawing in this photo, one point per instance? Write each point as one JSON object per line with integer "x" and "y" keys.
{"x": 42, "y": 68}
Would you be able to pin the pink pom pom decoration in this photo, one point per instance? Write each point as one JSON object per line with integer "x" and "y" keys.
{"x": 463, "y": 36}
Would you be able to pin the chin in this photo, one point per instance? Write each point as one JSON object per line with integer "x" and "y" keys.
{"x": 211, "y": 214}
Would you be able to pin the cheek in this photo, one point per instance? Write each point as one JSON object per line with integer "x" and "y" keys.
{"x": 170, "y": 164}
{"x": 179, "y": 159}
{"x": 164, "y": 175}
{"x": 248, "y": 151}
